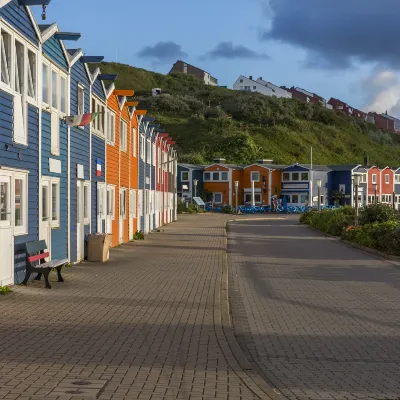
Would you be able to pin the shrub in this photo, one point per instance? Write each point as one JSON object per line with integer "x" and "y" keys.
{"x": 227, "y": 209}
{"x": 139, "y": 235}
{"x": 5, "y": 290}
{"x": 378, "y": 213}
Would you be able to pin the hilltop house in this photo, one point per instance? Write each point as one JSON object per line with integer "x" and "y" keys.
{"x": 247, "y": 84}
{"x": 185, "y": 68}
{"x": 306, "y": 96}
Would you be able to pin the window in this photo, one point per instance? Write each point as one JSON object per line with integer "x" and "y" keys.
{"x": 100, "y": 200}
{"x": 122, "y": 204}
{"x": 6, "y": 58}
{"x": 54, "y": 202}
{"x": 45, "y": 84}
{"x": 369, "y": 199}
{"x": 397, "y": 178}
{"x": 304, "y": 176}
{"x": 303, "y": 198}
{"x": 148, "y": 151}
{"x": 19, "y": 67}
{"x": 153, "y": 154}
{"x": 54, "y": 89}
{"x": 32, "y": 74}
{"x": 111, "y": 202}
{"x": 63, "y": 94}
{"x": 218, "y": 198}
{"x": 373, "y": 178}
{"x": 207, "y": 176}
{"x": 224, "y": 176}
{"x": 363, "y": 178}
{"x": 51, "y": 201}
{"x": 286, "y": 176}
{"x": 257, "y": 197}
{"x": 81, "y": 100}
{"x": 184, "y": 176}
{"x": 241, "y": 81}
{"x": 322, "y": 199}
{"x": 295, "y": 198}
{"x": 132, "y": 203}
{"x": 20, "y": 204}
{"x": 134, "y": 142}
{"x": 254, "y": 87}
{"x": 142, "y": 147}
{"x": 255, "y": 176}
{"x": 86, "y": 203}
{"x": 110, "y": 136}
{"x": 387, "y": 179}
{"x": 295, "y": 176}
{"x": 215, "y": 176}
{"x": 99, "y": 122}
{"x": 123, "y": 138}
{"x": 45, "y": 204}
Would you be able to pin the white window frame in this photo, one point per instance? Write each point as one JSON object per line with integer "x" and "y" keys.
{"x": 153, "y": 152}
{"x": 134, "y": 142}
{"x": 248, "y": 195}
{"x": 373, "y": 178}
{"x": 80, "y": 111}
{"x": 111, "y": 123}
{"x": 132, "y": 203}
{"x": 304, "y": 180}
{"x": 55, "y": 223}
{"x": 122, "y": 210}
{"x": 142, "y": 147}
{"x": 258, "y": 176}
{"x": 123, "y": 136}
{"x": 217, "y": 202}
{"x": 22, "y": 229}
{"x": 205, "y": 174}
{"x": 87, "y": 211}
{"x": 387, "y": 178}
{"x": 52, "y": 68}
{"x": 100, "y": 122}
{"x": 184, "y": 172}
{"x": 220, "y": 176}
{"x": 397, "y": 178}
{"x": 111, "y": 189}
{"x": 148, "y": 151}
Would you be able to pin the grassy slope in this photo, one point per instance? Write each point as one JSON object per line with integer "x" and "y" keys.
{"x": 334, "y": 138}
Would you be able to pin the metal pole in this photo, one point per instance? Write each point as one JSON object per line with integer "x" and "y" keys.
{"x": 394, "y": 206}
{"x": 319, "y": 198}
{"x": 375, "y": 197}
{"x": 253, "y": 200}
{"x": 311, "y": 179}
{"x": 236, "y": 192}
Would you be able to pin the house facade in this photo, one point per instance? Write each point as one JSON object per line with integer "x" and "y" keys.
{"x": 187, "y": 69}
{"x": 187, "y": 174}
{"x": 247, "y": 84}
{"x": 374, "y": 185}
{"x": 387, "y": 186}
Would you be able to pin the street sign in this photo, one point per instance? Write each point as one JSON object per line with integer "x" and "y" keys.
{"x": 199, "y": 201}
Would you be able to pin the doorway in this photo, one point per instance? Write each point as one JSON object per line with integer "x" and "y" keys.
{"x": 6, "y": 232}
{"x": 80, "y": 223}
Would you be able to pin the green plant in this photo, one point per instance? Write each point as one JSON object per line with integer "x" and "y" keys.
{"x": 227, "y": 209}
{"x": 139, "y": 235}
{"x": 5, "y": 290}
{"x": 378, "y": 213}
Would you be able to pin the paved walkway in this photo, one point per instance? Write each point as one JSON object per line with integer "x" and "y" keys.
{"x": 319, "y": 319}
{"x": 149, "y": 324}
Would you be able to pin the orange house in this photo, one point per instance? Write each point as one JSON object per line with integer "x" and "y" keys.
{"x": 117, "y": 166}
{"x": 218, "y": 181}
{"x": 374, "y": 184}
{"x": 267, "y": 182}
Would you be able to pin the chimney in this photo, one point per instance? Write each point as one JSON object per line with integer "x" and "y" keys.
{"x": 366, "y": 161}
{"x": 265, "y": 161}
{"x": 251, "y": 77}
{"x": 260, "y": 78}
{"x": 219, "y": 160}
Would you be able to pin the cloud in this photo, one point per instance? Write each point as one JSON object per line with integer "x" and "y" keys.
{"x": 162, "y": 52}
{"x": 382, "y": 92}
{"x": 337, "y": 34}
{"x": 230, "y": 51}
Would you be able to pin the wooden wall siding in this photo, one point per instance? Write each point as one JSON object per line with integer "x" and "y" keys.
{"x": 387, "y": 188}
{"x": 98, "y": 151}
{"x": 276, "y": 183}
{"x": 141, "y": 183}
{"x": 98, "y": 90}
{"x": 134, "y": 170}
{"x": 80, "y": 147}
{"x": 218, "y": 167}
{"x": 124, "y": 167}
{"x": 246, "y": 181}
{"x": 112, "y": 167}
{"x": 219, "y": 187}
{"x": 371, "y": 190}
{"x": 22, "y": 157}
{"x": 59, "y": 237}
{"x": 52, "y": 48}
{"x": 18, "y": 17}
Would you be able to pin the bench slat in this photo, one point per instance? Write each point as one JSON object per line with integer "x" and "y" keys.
{"x": 36, "y": 246}
{"x": 51, "y": 264}
{"x": 38, "y": 257}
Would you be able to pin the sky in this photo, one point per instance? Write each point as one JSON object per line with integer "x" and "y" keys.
{"x": 343, "y": 49}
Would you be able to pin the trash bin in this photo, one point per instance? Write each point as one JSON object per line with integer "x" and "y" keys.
{"x": 99, "y": 247}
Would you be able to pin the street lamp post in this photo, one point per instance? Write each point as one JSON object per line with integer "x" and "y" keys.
{"x": 236, "y": 194}
{"x": 356, "y": 180}
{"x": 375, "y": 189}
{"x": 319, "y": 184}
{"x": 195, "y": 182}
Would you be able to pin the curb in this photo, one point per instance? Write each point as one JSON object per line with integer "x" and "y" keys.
{"x": 228, "y": 343}
{"x": 358, "y": 246}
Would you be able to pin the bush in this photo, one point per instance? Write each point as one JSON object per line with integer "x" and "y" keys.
{"x": 378, "y": 213}
{"x": 139, "y": 235}
{"x": 227, "y": 209}
{"x": 190, "y": 209}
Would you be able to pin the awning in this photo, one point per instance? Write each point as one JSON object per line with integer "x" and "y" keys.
{"x": 185, "y": 187}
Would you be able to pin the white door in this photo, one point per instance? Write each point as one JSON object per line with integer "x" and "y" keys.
{"x": 80, "y": 225}
{"x": 45, "y": 219}
{"x": 6, "y": 234}
{"x": 122, "y": 214}
{"x": 140, "y": 210}
{"x": 132, "y": 212}
{"x": 101, "y": 209}
{"x": 110, "y": 208}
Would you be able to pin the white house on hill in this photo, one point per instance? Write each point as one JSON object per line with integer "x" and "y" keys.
{"x": 247, "y": 84}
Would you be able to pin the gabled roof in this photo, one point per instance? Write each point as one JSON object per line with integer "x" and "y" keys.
{"x": 345, "y": 167}
{"x": 308, "y": 166}
{"x": 192, "y": 166}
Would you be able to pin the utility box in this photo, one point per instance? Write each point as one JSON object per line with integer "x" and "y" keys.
{"x": 99, "y": 247}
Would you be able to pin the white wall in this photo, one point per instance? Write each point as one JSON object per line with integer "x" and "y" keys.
{"x": 278, "y": 92}
{"x": 260, "y": 86}
{"x": 208, "y": 80}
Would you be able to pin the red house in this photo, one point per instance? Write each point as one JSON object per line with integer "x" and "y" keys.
{"x": 381, "y": 122}
{"x": 374, "y": 184}
{"x": 340, "y": 105}
{"x": 387, "y": 185}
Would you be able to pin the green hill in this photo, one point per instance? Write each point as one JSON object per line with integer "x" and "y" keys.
{"x": 242, "y": 127}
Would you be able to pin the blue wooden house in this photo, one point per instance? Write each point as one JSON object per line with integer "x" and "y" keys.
{"x": 142, "y": 173}
{"x": 341, "y": 184}
{"x": 53, "y": 214}
{"x": 299, "y": 184}
{"x": 153, "y": 193}
{"x": 187, "y": 174}
{"x": 396, "y": 172}
{"x": 20, "y": 111}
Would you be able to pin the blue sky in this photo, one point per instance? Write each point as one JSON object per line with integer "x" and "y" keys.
{"x": 327, "y": 48}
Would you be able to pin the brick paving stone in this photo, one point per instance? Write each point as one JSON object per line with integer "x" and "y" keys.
{"x": 144, "y": 322}
{"x": 319, "y": 319}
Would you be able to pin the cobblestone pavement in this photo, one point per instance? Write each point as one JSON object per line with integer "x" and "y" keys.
{"x": 319, "y": 319}
{"x": 145, "y": 325}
